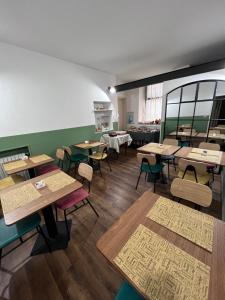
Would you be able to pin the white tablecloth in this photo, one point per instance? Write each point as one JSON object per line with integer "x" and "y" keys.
{"x": 115, "y": 141}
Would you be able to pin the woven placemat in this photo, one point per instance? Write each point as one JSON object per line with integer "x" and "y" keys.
{"x": 161, "y": 270}
{"x": 210, "y": 156}
{"x": 185, "y": 221}
{"x": 58, "y": 181}
{"x": 18, "y": 197}
{"x": 14, "y": 165}
{"x": 39, "y": 158}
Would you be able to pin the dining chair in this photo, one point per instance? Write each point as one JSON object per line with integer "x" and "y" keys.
{"x": 199, "y": 194}
{"x": 12, "y": 233}
{"x": 46, "y": 169}
{"x": 78, "y": 197}
{"x": 127, "y": 292}
{"x": 194, "y": 171}
{"x": 74, "y": 158}
{"x": 60, "y": 155}
{"x": 169, "y": 158}
{"x": 149, "y": 165}
{"x": 101, "y": 155}
{"x": 212, "y": 168}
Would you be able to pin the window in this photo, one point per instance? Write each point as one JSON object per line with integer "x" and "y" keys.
{"x": 153, "y": 108}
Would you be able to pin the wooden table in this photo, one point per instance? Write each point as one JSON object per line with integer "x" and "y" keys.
{"x": 183, "y": 133}
{"x": 43, "y": 203}
{"x": 152, "y": 148}
{"x": 29, "y": 164}
{"x": 183, "y": 153}
{"x": 116, "y": 237}
{"x": 216, "y": 136}
{"x": 89, "y": 146}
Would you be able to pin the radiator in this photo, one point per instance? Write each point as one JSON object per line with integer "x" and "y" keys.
{"x": 3, "y": 160}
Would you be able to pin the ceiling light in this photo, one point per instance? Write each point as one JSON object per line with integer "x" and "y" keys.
{"x": 112, "y": 90}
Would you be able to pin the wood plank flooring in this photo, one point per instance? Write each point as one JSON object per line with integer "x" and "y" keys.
{"x": 80, "y": 272}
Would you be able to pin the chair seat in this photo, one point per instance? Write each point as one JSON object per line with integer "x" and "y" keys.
{"x": 166, "y": 158}
{"x": 204, "y": 179}
{"x": 127, "y": 292}
{"x": 6, "y": 182}
{"x": 157, "y": 168}
{"x": 72, "y": 199}
{"x": 98, "y": 156}
{"x": 46, "y": 169}
{"x": 78, "y": 157}
{"x": 17, "y": 178}
{"x": 9, "y": 234}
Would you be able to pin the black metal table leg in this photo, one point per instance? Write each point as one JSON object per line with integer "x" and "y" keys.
{"x": 56, "y": 232}
{"x": 50, "y": 221}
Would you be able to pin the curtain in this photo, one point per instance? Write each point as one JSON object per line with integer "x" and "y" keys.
{"x": 153, "y": 105}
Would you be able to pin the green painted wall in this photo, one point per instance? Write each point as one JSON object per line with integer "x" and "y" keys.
{"x": 48, "y": 141}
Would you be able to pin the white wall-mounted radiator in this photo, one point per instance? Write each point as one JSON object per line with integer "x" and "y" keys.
{"x": 3, "y": 160}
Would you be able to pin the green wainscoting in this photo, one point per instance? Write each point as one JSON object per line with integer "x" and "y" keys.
{"x": 48, "y": 141}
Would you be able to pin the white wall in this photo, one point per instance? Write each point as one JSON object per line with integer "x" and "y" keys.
{"x": 172, "y": 84}
{"x": 41, "y": 93}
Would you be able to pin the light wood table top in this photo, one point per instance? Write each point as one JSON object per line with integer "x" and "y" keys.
{"x": 116, "y": 237}
{"x": 183, "y": 133}
{"x": 46, "y": 198}
{"x": 157, "y": 148}
{"x": 216, "y": 136}
{"x": 89, "y": 145}
{"x": 184, "y": 152}
{"x": 28, "y": 164}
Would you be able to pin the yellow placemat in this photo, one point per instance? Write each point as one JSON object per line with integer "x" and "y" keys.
{"x": 185, "y": 221}
{"x": 14, "y": 165}
{"x": 58, "y": 181}
{"x": 161, "y": 270}
{"x": 19, "y": 197}
{"x": 39, "y": 158}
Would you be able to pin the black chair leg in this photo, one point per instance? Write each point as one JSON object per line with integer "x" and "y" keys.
{"x": 67, "y": 225}
{"x": 56, "y": 213}
{"x": 146, "y": 176}
{"x": 174, "y": 165}
{"x": 168, "y": 169}
{"x": 0, "y": 256}
{"x": 21, "y": 240}
{"x": 138, "y": 180}
{"x": 39, "y": 229}
{"x": 92, "y": 207}
{"x": 99, "y": 165}
{"x": 108, "y": 164}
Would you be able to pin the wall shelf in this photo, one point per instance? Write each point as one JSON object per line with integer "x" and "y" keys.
{"x": 103, "y": 116}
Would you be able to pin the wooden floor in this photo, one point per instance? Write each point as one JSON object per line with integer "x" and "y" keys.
{"x": 80, "y": 271}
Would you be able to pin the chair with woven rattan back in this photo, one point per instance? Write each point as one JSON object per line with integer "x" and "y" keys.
{"x": 149, "y": 165}
{"x": 199, "y": 194}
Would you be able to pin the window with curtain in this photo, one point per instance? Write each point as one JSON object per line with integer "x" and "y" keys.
{"x": 153, "y": 105}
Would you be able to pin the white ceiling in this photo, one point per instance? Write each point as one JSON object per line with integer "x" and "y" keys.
{"x": 129, "y": 38}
